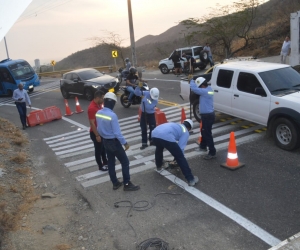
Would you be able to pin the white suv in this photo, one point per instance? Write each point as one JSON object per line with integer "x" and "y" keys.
{"x": 197, "y": 52}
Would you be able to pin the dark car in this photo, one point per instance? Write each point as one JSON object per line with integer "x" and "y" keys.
{"x": 86, "y": 82}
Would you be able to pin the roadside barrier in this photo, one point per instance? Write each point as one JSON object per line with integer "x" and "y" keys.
{"x": 183, "y": 116}
{"x": 200, "y": 135}
{"x": 78, "y": 108}
{"x": 232, "y": 162}
{"x": 68, "y": 110}
{"x": 39, "y": 117}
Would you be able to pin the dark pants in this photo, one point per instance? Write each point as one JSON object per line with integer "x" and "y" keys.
{"x": 175, "y": 150}
{"x": 99, "y": 151}
{"x": 207, "y": 139}
{"x": 21, "y": 106}
{"x": 114, "y": 149}
{"x": 150, "y": 119}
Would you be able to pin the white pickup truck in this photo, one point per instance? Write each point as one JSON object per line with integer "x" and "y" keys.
{"x": 264, "y": 93}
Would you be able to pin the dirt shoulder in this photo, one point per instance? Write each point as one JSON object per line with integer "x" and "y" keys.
{"x": 37, "y": 211}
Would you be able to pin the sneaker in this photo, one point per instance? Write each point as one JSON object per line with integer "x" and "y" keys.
{"x": 159, "y": 168}
{"x": 117, "y": 185}
{"x": 201, "y": 149}
{"x": 104, "y": 168}
{"x": 143, "y": 146}
{"x": 24, "y": 127}
{"x": 194, "y": 181}
{"x": 130, "y": 187}
{"x": 209, "y": 157}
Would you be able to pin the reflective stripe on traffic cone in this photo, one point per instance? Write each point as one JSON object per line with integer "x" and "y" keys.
{"x": 200, "y": 135}
{"x": 232, "y": 158}
{"x": 68, "y": 110}
{"x": 183, "y": 117}
{"x": 78, "y": 108}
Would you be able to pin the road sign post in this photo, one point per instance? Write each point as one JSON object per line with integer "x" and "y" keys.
{"x": 52, "y": 63}
{"x": 114, "y": 54}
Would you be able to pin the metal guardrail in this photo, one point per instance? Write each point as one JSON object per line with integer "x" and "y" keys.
{"x": 61, "y": 72}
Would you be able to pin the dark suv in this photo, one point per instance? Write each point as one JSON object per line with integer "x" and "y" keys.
{"x": 86, "y": 82}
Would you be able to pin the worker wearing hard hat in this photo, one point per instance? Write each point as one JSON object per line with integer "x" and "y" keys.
{"x": 174, "y": 137}
{"x": 206, "y": 108}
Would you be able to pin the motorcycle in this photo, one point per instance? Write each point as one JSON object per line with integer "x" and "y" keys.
{"x": 122, "y": 75}
{"x": 136, "y": 100}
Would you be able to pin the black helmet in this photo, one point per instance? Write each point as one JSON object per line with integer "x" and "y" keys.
{"x": 132, "y": 70}
{"x": 127, "y": 59}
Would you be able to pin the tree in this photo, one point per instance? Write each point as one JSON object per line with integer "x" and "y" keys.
{"x": 225, "y": 24}
{"x": 113, "y": 40}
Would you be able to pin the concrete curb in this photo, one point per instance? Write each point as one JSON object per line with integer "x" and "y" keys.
{"x": 292, "y": 243}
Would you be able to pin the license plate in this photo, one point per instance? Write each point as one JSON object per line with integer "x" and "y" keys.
{"x": 112, "y": 90}
{"x": 31, "y": 86}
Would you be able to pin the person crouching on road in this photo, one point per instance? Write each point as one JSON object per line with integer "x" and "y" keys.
{"x": 206, "y": 108}
{"x": 148, "y": 105}
{"x": 109, "y": 129}
{"x": 166, "y": 136}
{"x": 21, "y": 97}
{"x": 131, "y": 83}
{"x": 94, "y": 107}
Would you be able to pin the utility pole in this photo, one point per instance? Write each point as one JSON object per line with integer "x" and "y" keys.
{"x": 134, "y": 62}
{"x": 6, "y": 48}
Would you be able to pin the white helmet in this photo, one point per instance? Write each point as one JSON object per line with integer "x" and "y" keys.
{"x": 199, "y": 81}
{"x": 110, "y": 95}
{"x": 190, "y": 122}
{"x": 154, "y": 93}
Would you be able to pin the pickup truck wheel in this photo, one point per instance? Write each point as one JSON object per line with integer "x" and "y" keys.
{"x": 285, "y": 133}
{"x": 164, "y": 69}
{"x": 196, "y": 111}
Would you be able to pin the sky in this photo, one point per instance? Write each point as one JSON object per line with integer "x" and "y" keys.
{"x": 54, "y": 29}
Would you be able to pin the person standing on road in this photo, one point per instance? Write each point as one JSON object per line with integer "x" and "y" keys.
{"x": 21, "y": 97}
{"x": 209, "y": 54}
{"x": 109, "y": 129}
{"x": 166, "y": 136}
{"x": 93, "y": 108}
{"x": 148, "y": 105}
{"x": 285, "y": 50}
{"x": 131, "y": 83}
{"x": 128, "y": 64}
{"x": 175, "y": 57}
{"x": 190, "y": 61}
{"x": 206, "y": 108}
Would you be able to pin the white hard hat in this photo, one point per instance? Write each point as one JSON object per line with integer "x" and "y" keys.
{"x": 154, "y": 93}
{"x": 199, "y": 81}
{"x": 110, "y": 95}
{"x": 190, "y": 122}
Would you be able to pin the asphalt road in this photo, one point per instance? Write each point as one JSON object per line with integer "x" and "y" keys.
{"x": 254, "y": 207}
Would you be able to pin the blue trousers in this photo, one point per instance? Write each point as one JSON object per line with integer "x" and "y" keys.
{"x": 207, "y": 139}
{"x": 176, "y": 151}
{"x": 114, "y": 149}
{"x": 150, "y": 119}
{"x": 21, "y": 106}
{"x": 99, "y": 150}
{"x": 131, "y": 90}
{"x": 211, "y": 61}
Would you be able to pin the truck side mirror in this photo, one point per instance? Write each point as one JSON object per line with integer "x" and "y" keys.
{"x": 260, "y": 91}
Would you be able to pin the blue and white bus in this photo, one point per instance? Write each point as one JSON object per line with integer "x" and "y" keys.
{"x": 13, "y": 72}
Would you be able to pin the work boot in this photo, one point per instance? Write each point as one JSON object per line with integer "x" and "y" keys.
{"x": 209, "y": 157}
{"x": 130, "y": 187}
{"x": 144, "y": 145}
{"x": 117, "y": 185}
{"x": 194, "y": 181}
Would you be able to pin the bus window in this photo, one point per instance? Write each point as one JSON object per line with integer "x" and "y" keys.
{"x": 5, "y": 76}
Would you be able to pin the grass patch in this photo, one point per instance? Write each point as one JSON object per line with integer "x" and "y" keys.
{"x": 63, "y": 247}
{"x": 19, "y": 158}
{"x": 7, "y": 220}
{"x": 13, "y": 189}
{"x": 4, "y": 145}
{"x": 19, "y": 141}
{"x": 24, "y": 171}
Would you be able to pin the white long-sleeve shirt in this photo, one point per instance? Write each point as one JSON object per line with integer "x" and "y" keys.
{"x": 21, "y": 94}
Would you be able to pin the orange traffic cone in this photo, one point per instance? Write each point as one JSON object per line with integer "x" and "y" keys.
{"x": 78, "y": 108}
{"x": 160, "y": 117}
{"x": 183, "y": 117}
{"x": 140, "y": 113}
{"x": 200, "y": 135}
{"x": 232, "y": 158}
{"x": 68, "y": 110}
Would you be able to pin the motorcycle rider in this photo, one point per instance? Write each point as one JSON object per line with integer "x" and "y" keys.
{"x": 125, "y": 72}
{"x": 131, "y": 83}
{"x": 148, "y": 105}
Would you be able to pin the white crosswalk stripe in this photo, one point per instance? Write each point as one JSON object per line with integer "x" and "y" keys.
{"x": 76, "y": 149}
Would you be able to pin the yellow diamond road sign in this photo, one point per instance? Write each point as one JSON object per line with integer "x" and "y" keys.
{"x": 53, "y": 62}
{"x": 114, "y": 53}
